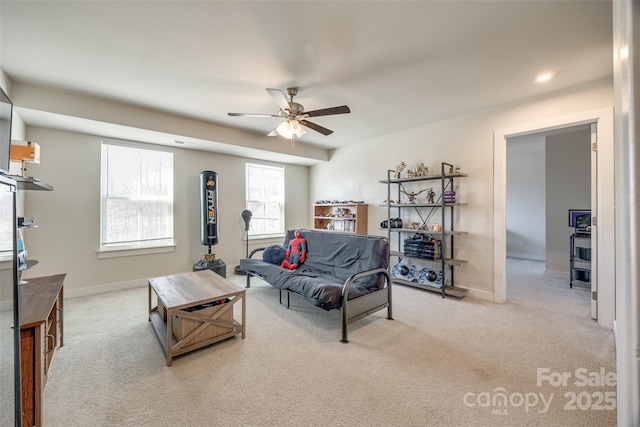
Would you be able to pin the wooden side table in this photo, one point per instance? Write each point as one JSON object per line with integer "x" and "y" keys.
{"x": 194, "y": 310}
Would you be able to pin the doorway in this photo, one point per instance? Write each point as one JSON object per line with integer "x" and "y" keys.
{"x": 603, "y": 211}
{"x": 548, "y": 174}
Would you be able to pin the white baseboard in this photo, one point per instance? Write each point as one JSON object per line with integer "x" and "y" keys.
{"x": 100, "y": 289}
{"x": 519, "y": 255}
{"x": 90, "y": 290}
{"x": 110, "y": 287}
{"x": 557, "y": 274}
{"x": 474, "y": 293}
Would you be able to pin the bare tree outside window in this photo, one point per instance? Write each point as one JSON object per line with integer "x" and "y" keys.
{"x": 137, "y": 197}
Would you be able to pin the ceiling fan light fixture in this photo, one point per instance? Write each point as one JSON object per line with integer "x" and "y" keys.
{"x": 295, "y": 117}
{"x": 289, "y": 128}
{"x": 284, "y": 130}
{"x": 296, "y": 129}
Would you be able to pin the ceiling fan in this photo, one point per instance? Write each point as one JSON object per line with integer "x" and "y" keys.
{"x": 294, "y": 115}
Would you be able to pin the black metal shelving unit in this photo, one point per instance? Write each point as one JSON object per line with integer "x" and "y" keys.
{"x": 580, "y": 262}
{"x": 425, "y": 212}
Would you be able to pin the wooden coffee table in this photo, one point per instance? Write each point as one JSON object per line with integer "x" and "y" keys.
{"x": 194, "y": 310}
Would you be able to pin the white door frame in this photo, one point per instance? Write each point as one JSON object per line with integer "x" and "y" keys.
{"x": 594, "y": 226}
{"x": 605, "y": 204}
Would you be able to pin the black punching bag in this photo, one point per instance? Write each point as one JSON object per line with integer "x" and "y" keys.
{"x": 209, "y": 208}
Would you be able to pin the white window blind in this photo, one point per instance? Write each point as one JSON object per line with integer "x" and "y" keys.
{"x": 136, "y": 197}
{"x": 265, "y": 199}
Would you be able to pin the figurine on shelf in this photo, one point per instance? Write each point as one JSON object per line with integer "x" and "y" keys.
{"x": 387, "y": 201}
{"x": 399, "y": 170}
{"x": 420, "y": 171}
{"x": 431, "y": 195}
{"x": 412, "y": 195}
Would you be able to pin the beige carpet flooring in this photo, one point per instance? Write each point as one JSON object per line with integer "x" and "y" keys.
{"x": 439, "y": 363}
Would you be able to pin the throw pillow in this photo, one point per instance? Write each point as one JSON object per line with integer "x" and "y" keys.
{"x": 274, "y": 254}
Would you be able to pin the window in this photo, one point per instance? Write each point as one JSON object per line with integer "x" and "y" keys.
{"x": 265, "y": 199}
{"x": 6, "y": 223}
{"x": 136, "y": 202}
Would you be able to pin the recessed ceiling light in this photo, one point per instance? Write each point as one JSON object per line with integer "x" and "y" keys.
{"x": 544, "y": 77}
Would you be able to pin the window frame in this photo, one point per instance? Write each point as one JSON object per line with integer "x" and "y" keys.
{"x": 110, "y": 250}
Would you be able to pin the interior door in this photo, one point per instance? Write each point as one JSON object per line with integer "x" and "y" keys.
{"x": 594, "y": 221}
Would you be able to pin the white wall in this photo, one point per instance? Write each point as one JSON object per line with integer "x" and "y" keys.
{"x": 526, "y": 219}
{"x": 568, "y": 171}
{"x": 68, "y": 236}
{"x": 547, "y": 174}
{"x": 466, "y": 141}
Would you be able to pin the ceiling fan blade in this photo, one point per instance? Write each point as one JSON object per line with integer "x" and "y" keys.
{"x": 316, "y": 127}
{"x": 343, "y": 109}
{"x": 253, "y": 115}
{"x": 273, "y": 133}
{"x": 280, "y": 99}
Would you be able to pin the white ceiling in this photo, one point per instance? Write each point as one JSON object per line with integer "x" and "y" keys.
{"x": 396, "y": 64}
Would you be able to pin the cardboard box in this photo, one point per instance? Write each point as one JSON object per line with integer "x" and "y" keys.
{"x": 25, "y": 151}
{"x": 182, "y": 327}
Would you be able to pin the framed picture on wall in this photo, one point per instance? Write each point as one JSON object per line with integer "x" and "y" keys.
{"x": 580, "y": 218}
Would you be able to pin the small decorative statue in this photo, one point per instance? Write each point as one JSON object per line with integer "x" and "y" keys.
{"x": 388, "y": 201}
{"x": 419, "y": 171}
{"x": 431, "y": 195}
{"x": 412, "y": 195}
{"x": 296, "y": 252}
{"x": 399, "y": 169}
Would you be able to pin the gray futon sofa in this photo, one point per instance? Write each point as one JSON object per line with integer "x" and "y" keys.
{"x": 337, "y": 264}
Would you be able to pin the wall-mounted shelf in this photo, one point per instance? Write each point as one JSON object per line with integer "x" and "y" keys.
{"x": 30, "y": 263}
{"x": 30, "y": 183}
{"x": 27, "y": 183}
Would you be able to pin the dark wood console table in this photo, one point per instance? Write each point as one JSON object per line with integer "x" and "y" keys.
{"x": 41, "y": 333}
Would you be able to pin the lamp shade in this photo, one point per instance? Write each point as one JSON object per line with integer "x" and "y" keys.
{"x": 284, "y": 130}
{"x": 296, "y": 129}
{"x": 289, "y": 128}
